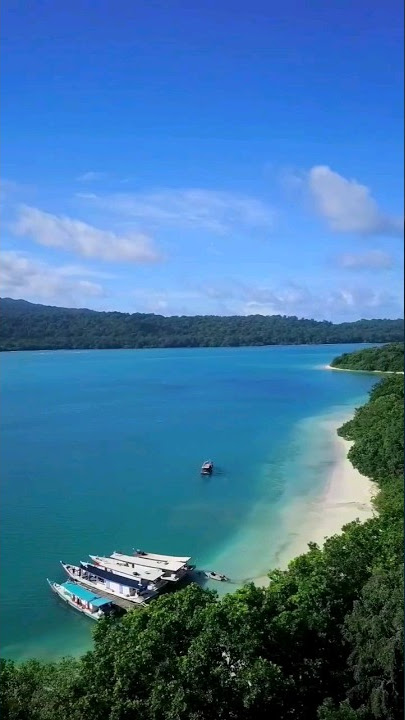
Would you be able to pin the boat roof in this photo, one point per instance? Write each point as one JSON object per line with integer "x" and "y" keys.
{"x": 172, "y": 564}
{"x": 145, "y": 573}
{"x": 154, "y": 556}
{"x": 85, "y": 595}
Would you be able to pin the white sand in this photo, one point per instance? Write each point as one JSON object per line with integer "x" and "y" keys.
{"x": 348, "y": 496}
{"x": 379, "y": 372}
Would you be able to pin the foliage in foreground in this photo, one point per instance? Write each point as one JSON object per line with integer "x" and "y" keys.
{"x": 27, "y": 326}
{"x": 389, "y": 358}
{"x": 324, "y": 641}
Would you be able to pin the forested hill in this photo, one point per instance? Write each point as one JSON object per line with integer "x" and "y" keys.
{"x": 324, "y": 641}
{"x": 389, "y": 358}
{"x": 27, "y": 326}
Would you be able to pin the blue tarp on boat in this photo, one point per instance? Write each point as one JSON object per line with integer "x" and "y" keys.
{"x": 85, "y": 595}
{"x": 99, "y": 602}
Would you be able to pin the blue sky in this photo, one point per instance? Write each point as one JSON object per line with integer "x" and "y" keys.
{"x": 206, "y": 157}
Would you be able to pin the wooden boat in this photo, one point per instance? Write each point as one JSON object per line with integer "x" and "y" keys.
{"x": 207, "y": 467}
{"x": 215, "y": 576}
{"x": 83, "y": 600}
{"x": 157, "y": 558}
{"x": 92, "y": 581}
{"x": 171, "y": 567}
{"x": 125, "y": 573}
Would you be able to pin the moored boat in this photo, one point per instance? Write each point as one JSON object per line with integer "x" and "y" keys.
{"x": 207, "y": 467}
{"x": 82, "y": 600}
{"x": 211, "y": 575}
{"x": 84, "y": 576}
{"x": 138, "y": 577}
{"x": 161, "y": 558}
{"x": 171, "y": 568}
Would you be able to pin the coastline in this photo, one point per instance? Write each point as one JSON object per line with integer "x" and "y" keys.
{"x": 347, "y": 496}
{"x": 379, "y": 372}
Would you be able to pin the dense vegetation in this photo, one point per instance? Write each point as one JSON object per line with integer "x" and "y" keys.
{"x": 388, "y": 358}
{"x": 324, "y": 641}
{"x": 26, "y": 326}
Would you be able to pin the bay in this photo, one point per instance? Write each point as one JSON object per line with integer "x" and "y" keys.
{"x": 101, "y": 451}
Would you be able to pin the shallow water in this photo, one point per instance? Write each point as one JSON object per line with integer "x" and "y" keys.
{"x": 101, "y": 451}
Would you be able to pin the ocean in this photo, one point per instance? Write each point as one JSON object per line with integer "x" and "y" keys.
{"x": 101, "y": 451}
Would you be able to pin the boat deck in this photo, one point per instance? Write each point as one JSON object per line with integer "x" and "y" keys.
{"x": 121, "y": 602}
{"x": 142, "y": 561}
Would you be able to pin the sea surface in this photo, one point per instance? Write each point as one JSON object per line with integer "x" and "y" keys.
{"x": 101, "y": 451}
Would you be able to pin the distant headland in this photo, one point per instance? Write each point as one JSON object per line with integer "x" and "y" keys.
{"x": 30, "y": 326}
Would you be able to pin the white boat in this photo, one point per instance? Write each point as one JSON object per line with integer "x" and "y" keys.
{"x": 207, "y": 468}
{"x": 82, "y": 600}
{"x": 163, "y": 558}
{"x": 215, "y": 576}
{"x": 116, "y": 589}
{"x": 170, "y": 568}
{"x": 134, "y": 575}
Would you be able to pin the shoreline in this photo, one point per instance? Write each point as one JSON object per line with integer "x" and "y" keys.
{"x": 379, "y": 372}
{"x": 346, "y": 497}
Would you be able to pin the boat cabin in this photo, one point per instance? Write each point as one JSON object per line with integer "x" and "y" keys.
{"x": 171, "y": 568}
{"x": 207, "y": 467}
{"x": 85, "y": 599}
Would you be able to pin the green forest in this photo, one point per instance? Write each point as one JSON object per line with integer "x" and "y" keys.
{"x": 324, "y": 641}
{"x": 27, "y": 326}
{"x": 389, "y": 358}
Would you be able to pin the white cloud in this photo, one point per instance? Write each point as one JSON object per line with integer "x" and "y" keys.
{"x": 373, "y": 260}
{"x": 167, "y": 302}
{"x": 24, "y": 277}
{"x": 348, "y": 206}
{"x": 344, "y": 303}
{"x": 338, "y": 304}
{"x": 216, "y": 211}
{"x": 83, "y": 239}
{"x": 234, "y": 297}
{"x": 79, "y": 270}
{"x": 90, "y": 176}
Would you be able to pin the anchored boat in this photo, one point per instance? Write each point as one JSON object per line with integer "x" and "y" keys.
{"x": 207, "y": 467}
{"x": 211, "y": 575}
{"x": 83, "y": 600}
{"x": 165, "y": 568}
{"x": 94, "y": 579}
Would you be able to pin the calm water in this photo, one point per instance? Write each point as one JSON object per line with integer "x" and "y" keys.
{"x": 101, "y": 451}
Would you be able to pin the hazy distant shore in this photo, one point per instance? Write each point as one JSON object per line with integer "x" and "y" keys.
{"x": 347, "y": 496}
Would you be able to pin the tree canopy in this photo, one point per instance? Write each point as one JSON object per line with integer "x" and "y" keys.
{"x": 389, "y": 358}
{"x": 27, "y": 326}
{"x": 324, "y": 641}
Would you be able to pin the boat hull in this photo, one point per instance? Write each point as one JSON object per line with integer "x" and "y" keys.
{"x": 215, "y": 576}
{"x": 57, "y": 589}
{"x": 207, "y": 469}
{"x": 73, "y": 573}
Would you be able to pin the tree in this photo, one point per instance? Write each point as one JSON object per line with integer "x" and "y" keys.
{"x": 387, "y": 358}
{"x": 26, "y": 326}
{"x": 375, "y": 631}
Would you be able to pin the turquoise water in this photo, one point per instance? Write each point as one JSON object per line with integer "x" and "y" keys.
{"x": 101, "y": 451}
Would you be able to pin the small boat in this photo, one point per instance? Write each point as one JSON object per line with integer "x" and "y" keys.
{"x": 82, "y": 600}
{"x": 207, "y": 467}
{"x": 215, "y": 576}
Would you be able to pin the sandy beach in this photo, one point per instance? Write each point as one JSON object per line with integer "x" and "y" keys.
{"x": 378, "y": 372}
{"x": 347, "y": 496}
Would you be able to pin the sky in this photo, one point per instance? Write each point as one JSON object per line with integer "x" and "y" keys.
{"x": 203, "y": 157}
